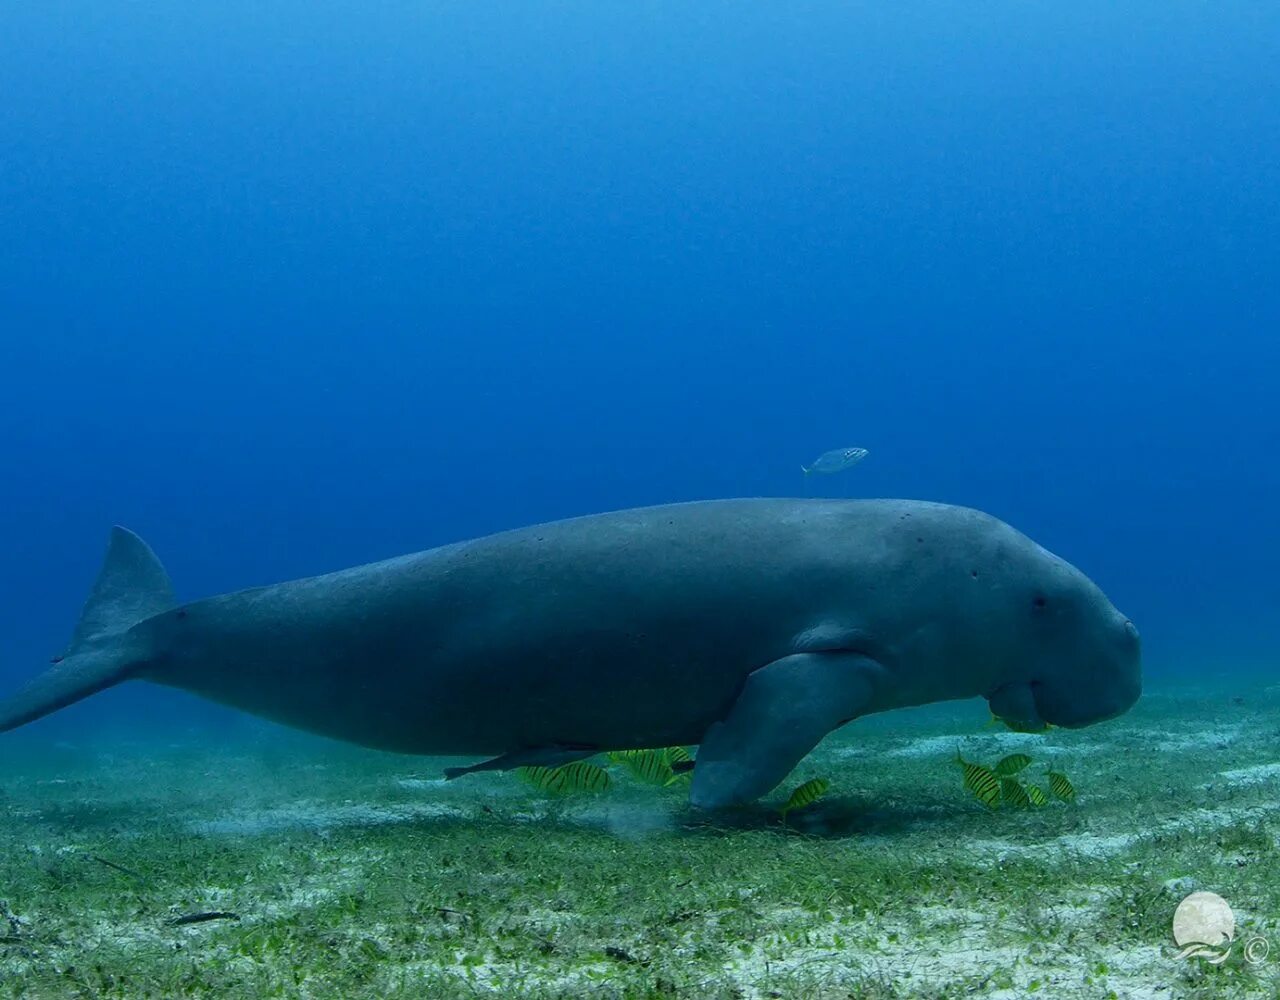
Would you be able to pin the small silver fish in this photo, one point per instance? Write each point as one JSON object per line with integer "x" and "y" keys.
{"x": 836, "y": 460}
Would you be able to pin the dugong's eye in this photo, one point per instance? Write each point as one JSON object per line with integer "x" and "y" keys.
{"x": 1040, "y": 602}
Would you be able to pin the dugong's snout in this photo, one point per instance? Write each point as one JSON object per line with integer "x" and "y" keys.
{"x": 1105, "y": 686}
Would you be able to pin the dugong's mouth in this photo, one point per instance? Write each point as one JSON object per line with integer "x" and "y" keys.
{"x": 1015, "y": 705}
{"x": 1035, "y": 704}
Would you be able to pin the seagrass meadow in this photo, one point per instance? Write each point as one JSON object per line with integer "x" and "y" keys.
{"x": 305, "y": 868}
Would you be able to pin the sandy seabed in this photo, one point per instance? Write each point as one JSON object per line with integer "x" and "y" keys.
{"x": 341, "y": 872}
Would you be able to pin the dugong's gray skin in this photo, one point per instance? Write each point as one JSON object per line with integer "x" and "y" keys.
{"x": 750, "y": 627}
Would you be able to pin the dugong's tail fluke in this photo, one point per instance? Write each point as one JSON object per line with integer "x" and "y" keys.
{"x": 131, "y": 587}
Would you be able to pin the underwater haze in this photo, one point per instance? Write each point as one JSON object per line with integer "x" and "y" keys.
{"x": 287, "y": 288}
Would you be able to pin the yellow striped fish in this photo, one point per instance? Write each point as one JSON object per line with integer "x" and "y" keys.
{"x": 1037, "y": 796}
{"x": 1012, "y": 764}
{"x": 806, "y": 795}
{"x": 1061, "y": 786}
{"x": 576, "y": 777}
{"x": 679, "y": 755}
{"x": 1017, "y": 727}
{"x": 981, "y": 781}
{"x": 650, "y": 766}
{"x": 1013, "y": 792}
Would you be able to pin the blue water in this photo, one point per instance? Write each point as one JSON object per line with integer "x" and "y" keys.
{"x": 287, "y": 287}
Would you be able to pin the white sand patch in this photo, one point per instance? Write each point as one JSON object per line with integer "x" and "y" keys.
{"x": 1256, "y": 775}
{"x": 1101, "y": 845}
{"x": 843, "y": 752}
{"x": 1144, "y": 972}
{"x": 1006, "y": 848}
{"x": 630, "y": 822}
{"x": 425, "y": 784}
{"x": 1095, "y": 845}
{"x": 984, "y": 743}
{"x": 1170, "y": 742}
{"x": 321, "y": 817}
{"x": 494, "y": 977}
{"x": 932, "y": 964}
{"x": 928, "y": 746}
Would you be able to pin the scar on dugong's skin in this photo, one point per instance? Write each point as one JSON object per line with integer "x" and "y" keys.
{"x": 750, "y": 627}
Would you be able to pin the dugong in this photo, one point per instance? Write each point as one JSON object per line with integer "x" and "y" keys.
{"x": 750, "y": 627}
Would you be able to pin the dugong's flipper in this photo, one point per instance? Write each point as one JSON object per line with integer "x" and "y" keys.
{"x": 785, "y": 708}
{"x": 552, "y": 756}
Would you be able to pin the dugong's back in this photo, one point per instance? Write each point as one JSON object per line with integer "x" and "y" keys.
{"x": 630, "y": 628}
